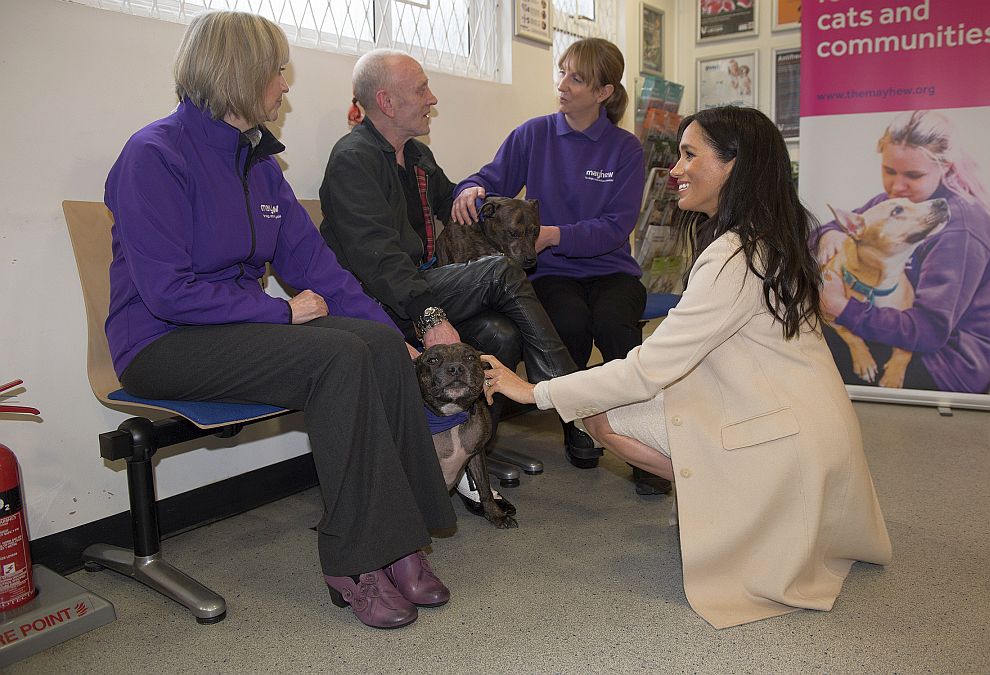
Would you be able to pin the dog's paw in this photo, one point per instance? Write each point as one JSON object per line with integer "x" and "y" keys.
{"x": 865, "y": 369}
{"x": 502, "y": 522}
{"x": 892, "y": 380}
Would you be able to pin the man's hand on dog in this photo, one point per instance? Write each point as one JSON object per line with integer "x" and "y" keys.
{"x": 307, "y": 306}
{"x": 504, "y": 381}
{"x": 465, "y": 210}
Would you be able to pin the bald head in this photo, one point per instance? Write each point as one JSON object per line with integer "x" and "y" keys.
{"x": 375, "y": 71}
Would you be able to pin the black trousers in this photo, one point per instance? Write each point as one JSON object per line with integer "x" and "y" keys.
{"x": 603, "y": 310}
{"x": 915, "y": 377}
{"x": 379, "y": 476}
{"x": 492, "y": 305}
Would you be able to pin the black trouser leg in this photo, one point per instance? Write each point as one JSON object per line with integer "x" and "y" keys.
{"x": 498, "y": 284}
{"x": 604, "y": 311}
{"x": 379, "y": 477}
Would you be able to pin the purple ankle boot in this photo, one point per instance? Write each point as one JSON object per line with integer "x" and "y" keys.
{"x": 374, "y": 600}
{"x": 414, "y": 578}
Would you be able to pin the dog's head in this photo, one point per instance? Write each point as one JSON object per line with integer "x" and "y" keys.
{"x": 451, "y": 377}
{"x": 894, "y": 226}
{"x": 512, "y": 226}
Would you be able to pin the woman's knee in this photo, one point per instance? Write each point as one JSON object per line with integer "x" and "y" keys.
{"x": 598, "y": 426}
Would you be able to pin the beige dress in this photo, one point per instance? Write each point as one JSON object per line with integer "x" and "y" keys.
{"x": 774, "y": 495}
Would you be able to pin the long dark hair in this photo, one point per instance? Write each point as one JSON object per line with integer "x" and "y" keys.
{"x": 759, "y": 203}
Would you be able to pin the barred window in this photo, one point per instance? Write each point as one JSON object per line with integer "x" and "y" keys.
{"x": 453, "y": 36}
{"x": 576, "y": 19}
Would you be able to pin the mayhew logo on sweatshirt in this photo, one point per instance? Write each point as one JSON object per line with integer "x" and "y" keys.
{"x": 600, "y": 175}
{"x": 269, "y": 211}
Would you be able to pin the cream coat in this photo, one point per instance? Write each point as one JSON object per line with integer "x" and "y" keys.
{"x": 774, "y": 496}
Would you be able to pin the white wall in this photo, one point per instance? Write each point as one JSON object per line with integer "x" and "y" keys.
{"x": 77, "y": 82}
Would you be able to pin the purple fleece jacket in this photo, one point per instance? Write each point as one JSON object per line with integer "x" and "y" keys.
{"x": 589, "y": 184}
{"x": 193, "y": 229}
{"x": 949, "y": 323}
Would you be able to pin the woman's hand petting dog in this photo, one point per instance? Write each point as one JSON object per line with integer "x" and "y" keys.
{"x": 504, "y": 381}
{"x": 830, "y": 243}
{"x": 833, "y": 298}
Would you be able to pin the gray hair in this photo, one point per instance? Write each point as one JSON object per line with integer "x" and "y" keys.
{"x": 371, "y": 74}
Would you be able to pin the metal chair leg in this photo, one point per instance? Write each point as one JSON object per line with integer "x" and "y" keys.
{"x": 135, "y": 441}
{"x": 530, "y": 465}
{"x": 507, "y": 474}
{"x": 153, "y": 571}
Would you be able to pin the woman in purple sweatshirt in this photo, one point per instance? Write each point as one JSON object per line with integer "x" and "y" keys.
{"x": 200, "y": 207}
{"x": 948, "y": 326}
{"x": 587, "y": 175}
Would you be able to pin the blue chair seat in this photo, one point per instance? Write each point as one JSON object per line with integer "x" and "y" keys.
{"x": 659, "y": 304}
{"x": 204, "y": 414}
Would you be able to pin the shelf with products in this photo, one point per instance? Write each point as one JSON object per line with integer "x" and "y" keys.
{"x": 659, "y": 240}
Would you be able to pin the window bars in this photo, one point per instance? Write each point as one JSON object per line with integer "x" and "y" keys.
{"x": 454, "y": 36}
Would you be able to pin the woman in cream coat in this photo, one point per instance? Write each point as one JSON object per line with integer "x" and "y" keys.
{"x": 736, "y": 396}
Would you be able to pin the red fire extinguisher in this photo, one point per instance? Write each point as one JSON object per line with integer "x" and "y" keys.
{"x": 16, "y": 581}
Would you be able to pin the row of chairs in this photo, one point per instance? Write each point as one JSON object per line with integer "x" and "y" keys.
{"x": 138, "y": 438}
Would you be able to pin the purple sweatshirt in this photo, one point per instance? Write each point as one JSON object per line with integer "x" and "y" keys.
{"x": 589, "y": 184}
{"x": 949, "y": 323}
{"x": 194, "y": 225}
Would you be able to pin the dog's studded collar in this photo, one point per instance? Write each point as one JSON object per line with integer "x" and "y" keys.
{"x": 870, "y": 292}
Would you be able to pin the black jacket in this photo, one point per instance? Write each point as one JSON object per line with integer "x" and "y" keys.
{"x": 365, "y": 220}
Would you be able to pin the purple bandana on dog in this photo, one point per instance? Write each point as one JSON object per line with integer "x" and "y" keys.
{"x": 440, "y": 423}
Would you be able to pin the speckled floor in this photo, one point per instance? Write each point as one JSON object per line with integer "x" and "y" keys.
{"x": 590, "y": 582}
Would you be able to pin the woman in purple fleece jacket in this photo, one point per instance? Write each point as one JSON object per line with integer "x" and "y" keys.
{"x": 948, "y": 326}
{"x": 587, "y": 174}
{"x": 200, "y": 206}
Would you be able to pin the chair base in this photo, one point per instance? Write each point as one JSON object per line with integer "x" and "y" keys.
{"x": 530, "y": 465}
{"x": 507, "y": 474}
{"x": 153, "y": 571}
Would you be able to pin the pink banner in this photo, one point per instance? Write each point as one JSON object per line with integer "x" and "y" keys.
{"x": 864, "y": 56}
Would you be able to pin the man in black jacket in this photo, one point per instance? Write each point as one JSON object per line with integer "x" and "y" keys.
{"x": 383, "y": 196}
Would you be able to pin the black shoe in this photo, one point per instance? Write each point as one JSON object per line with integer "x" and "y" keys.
{"x": 580, "y": 448}
{"x": 472, "y": 502}
{"x": 650, "y": 484}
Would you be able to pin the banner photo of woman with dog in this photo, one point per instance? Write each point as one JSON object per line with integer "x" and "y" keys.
{"x": 896, "y": 167}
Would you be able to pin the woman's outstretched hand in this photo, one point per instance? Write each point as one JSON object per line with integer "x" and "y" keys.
{"x": 504, "y": 381}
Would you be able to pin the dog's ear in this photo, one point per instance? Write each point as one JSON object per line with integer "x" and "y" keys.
{"x": 852, "y": 223}
{"x": 535, "y": 203}
{"x": 489, "y": 208}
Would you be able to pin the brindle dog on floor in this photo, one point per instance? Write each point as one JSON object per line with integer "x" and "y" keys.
{"x": 451, "y": 378}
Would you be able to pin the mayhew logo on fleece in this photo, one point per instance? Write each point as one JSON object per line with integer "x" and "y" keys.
{"x": 270, "y": 211}
{"x": 600, "y": 175}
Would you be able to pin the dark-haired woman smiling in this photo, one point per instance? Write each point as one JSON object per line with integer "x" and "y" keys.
{"x": 736, "y": 395}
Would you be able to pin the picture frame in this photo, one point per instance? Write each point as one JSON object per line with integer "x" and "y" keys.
{"x": 651, "y": 41}
{"x": 731, "y": 79}
{"x": 786, "y": 15}
{"x": 785, "y": 96}
{"x": 716, "y": 21}
{"x": 533, "y": 20}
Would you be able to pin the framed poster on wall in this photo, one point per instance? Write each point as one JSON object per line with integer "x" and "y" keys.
{"x": 533, "y": 21}
{"x": 651, "y": 41}
{"x": 786, "y": 93}
{"x": 727, "y": 80}
{"x": 786, "y": 14}
{"x": 723, "y": 19}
